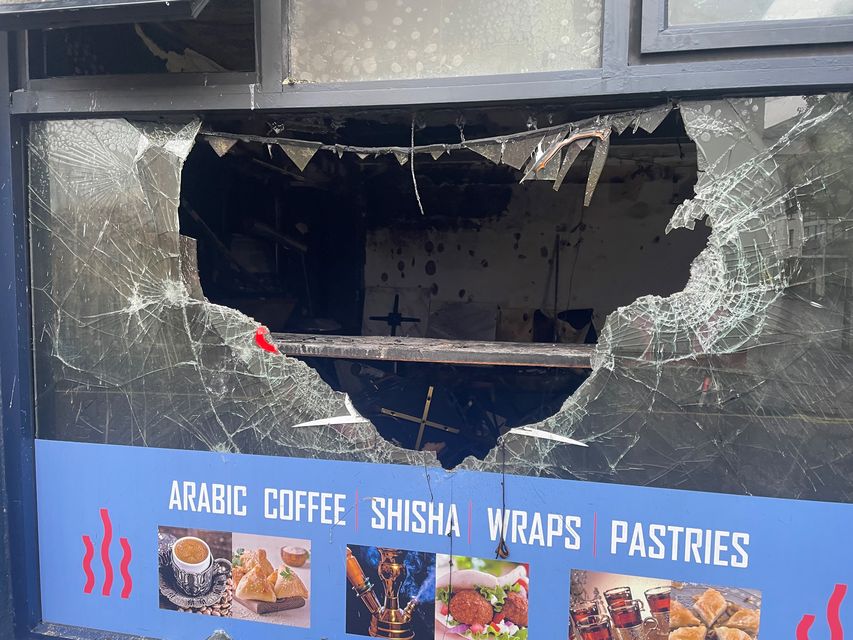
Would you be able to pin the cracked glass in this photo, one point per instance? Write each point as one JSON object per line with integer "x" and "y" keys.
{"x": 736, "y": 384}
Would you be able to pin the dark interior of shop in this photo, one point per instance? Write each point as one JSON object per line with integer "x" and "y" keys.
{"x": 354, "y": 246}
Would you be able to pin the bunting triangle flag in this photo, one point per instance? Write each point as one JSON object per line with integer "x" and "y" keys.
{"x": 221, "y": 145}
{"x": 300, "y": 153}
{"x": 491, "y": 150}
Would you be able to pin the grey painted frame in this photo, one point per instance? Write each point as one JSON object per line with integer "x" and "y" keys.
{"x": 658, "y": 36}
{"x": 623, "y": 72}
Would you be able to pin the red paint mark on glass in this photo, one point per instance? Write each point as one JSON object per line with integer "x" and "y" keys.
{"x": 262, "y": 340}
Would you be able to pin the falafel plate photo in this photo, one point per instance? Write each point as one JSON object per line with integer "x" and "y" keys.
{"x": 479, "y": 599}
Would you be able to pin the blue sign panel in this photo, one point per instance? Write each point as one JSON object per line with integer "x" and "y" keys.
{"x": 178, "y": 544}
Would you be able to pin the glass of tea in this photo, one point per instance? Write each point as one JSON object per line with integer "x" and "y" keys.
{"x": 582, "y": 610}
{"x": 628, "y": 614}
{"x": 658, "y": 599}
{"x": 618, "y": 596}
{"x": 595, "y": 628}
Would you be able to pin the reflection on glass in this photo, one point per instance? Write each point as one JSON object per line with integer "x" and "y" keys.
{"x": 684, "y": 12}
{"x": 352, "y": 40}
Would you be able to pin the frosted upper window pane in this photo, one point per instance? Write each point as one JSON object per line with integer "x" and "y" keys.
{"x": 352, "y": 40}
{"x": 683, "y": 12}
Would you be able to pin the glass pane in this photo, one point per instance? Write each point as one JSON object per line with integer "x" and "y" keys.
{"x": 222, "y": 39}
{"x": 350, "y": 40}
{"x": 682, "y": 12}
{"x": 738, "y": 383}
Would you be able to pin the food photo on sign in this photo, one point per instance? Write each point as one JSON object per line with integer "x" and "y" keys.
{"x": 609, "y": 606}
{"x": 194, "y": 571}
{"x": 389, "y": 592}
{"x": 272, "y": 578}
{"x": 480, "y": 599}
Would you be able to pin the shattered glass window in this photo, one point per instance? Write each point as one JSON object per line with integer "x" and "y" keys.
{"x": 353, "y": 40}
{"x": 735, "y": 384}
{"x": 685, "y": 12}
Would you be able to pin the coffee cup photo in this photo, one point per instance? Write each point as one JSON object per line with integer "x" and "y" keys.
{"x": 192, "y": 565}
{"x": 191, "y": 554}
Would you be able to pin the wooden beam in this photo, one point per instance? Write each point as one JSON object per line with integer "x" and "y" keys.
{"x": 458, "y": 352}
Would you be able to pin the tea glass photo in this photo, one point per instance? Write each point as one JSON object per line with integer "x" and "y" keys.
{"x": 582, "y": 610}
{"x": 595, "y": 628}
{"x": 629, "y": 622}
{"x": 618, "y": 596}
{"x": 659, "y": 603}
{"x": 192, "y": 565}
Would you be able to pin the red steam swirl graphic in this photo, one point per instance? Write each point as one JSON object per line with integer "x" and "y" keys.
{"x": 105, "y": 552}
{"x": 87, "y": 565}
{"x": 833, "y": 616}
{"x": 125, "y": 563}
{"x": 263, "y": 342}
{"x": 124, "y": 566}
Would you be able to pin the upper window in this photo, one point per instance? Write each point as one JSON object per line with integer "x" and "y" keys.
{"x": 683, "y": 25}
{"x": 220, "y": 40}
{"x": 683, "y": 12}
{"x": 354, "y": 40}
{"x": 25, "y": 14}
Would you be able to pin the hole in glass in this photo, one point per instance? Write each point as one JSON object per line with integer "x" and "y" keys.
{"x": 341, "y": 248}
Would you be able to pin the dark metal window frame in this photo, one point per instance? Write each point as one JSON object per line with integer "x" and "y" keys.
{"x": 659, "y": 36}
{"x": 624, "y": 70}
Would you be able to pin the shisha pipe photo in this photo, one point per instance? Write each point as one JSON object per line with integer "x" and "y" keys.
{"x": 387, "y": 620}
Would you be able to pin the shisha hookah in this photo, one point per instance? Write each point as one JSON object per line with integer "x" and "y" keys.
{"x": 387, "y": 620}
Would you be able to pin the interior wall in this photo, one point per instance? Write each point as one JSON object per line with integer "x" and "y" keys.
{"x": 502, "y": 267}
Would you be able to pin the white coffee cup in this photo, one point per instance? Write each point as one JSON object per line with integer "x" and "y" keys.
{"x": 189, "y": 567}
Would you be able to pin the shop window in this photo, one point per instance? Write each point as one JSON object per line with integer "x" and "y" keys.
{"x": 718, "y": 385}
{"x": 685, "y": 25}
{"x": 25, "y": 14}
{"x": 220, "y": 40}
{"x": 684, "y": 12}
{"x": 354, "y": 40}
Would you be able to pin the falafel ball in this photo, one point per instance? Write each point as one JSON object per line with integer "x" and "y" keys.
{"x": 469, "y": 607}
{"x": 515, "y": 609}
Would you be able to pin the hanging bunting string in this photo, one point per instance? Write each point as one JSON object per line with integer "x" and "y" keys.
{"x": 542, "y": 154}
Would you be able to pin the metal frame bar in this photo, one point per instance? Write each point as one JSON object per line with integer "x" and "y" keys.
{"x": 16, "y": 372}
{"x": 659, "y": 36}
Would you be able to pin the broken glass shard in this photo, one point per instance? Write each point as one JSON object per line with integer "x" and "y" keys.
{"x": 517, "y": 151}
{"x": 221, "y": 145}
{"x": 552, "y": 167}
{"x": 572, "y": 154}
{"x": 300, "y": 152}
{"x": 491, "y": 150}
{"x": 602, "y": 147}
{"x": 650, "y": 119}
